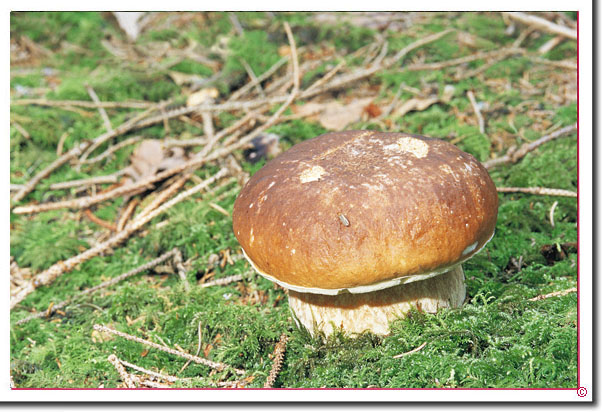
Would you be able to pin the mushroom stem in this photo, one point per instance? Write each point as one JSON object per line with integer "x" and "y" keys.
{"x": 373, "y": 311}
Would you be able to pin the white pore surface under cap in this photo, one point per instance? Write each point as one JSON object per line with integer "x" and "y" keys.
{"x": 366, "y": 288}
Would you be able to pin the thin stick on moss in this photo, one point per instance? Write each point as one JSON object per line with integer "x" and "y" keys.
{"x": 224, "y": 281}
{"x": 103, "y": 285}
{"x": 538, "y": 191}
{"x": 553, "y": 294}
{"x": 513, "y": 156}
{"x": 121, "y": 129}
{"x": 97, "y": 180}
{"x": 29, "y": 186}
{"x": 49, "y": 275}
{"x": 127, "y": 213}
{"x": 196, "y": 359}
{"x": 543, "y": 24}
{"x": 258, "y": 80}
{"x": 125, "y": 377}
{"x": 101, "y": 110}
{"x": 59, "y": 147}
{"x": 477, "y": 111}
{"x": 401, "y": 355}
{"x": 165, "y": 194}
{"x": 198, "y": 347}
{"x": 278, "y": 357}
{"x": 112, "y": 149}
{"x": 83, "y": 103}
{"x": 167, "y": 378}
{"x": 552, "y": 209}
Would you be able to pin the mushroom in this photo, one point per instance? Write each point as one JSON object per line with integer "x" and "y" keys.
{"x": 361, "y": 226}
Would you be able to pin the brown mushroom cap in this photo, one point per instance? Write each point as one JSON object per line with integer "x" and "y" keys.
{"x": 364, "y": 210}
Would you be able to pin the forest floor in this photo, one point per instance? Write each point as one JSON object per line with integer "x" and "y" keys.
{"x": 180, "y": 107}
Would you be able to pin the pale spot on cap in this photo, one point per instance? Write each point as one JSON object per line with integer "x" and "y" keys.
{"x": 411, "y": 145}
{"x": 312, "y": 174}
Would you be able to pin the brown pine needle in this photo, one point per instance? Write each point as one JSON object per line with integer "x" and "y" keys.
{"x": 278, "y": 354}
{"x": 111, "y": 282}
{"x": 100, "y": 222}
{"x": 214, "y": 365}
{"x": 49, "y": 275}
{"x": 410, "y": 352}
{"x": 553, "y": 294}
{"x": 127, "y": 213}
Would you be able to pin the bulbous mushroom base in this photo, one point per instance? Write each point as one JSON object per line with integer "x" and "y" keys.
{"x": 372, "y": 311}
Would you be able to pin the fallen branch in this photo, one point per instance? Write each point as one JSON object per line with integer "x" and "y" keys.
{"x": 83, "y": 103}
{"x": 125, "y": 377}
{"x": 553, "y": 294}
{"x": 106, "y": 284}
{"x": 196, "y": 359}
{"x": 167, "y": 378}
{"x": 121, "y": 129}
{"x": 538, "y": 191}
{"x": 29, "y": 186}
{"x": 543, "y": 24}
{"x": 514, "y": 156}
{"x": 49, "y": 275}
{"x": 113, "y": 149}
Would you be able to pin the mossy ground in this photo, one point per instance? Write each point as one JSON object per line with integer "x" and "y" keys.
{"x": 497, "y": 339}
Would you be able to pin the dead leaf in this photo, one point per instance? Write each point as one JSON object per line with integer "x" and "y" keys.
{"x": 129, "y": 22}
{"x": 184, "y": 78}
{"x": 415, "y": 104}
{"x": 373, "y": 110}
{"x": 150, "y": 157}
{"x": 335, "y": 115}
{"x": 202, "y": 96}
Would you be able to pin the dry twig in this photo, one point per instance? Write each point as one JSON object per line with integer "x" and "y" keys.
{"x": 538, "y": 191}
{"x": 552, "y": 209}
{"x": 125, "y": 377}
{"x": 543, "y": 24}
{"x": 29, "y": 186}
{"x": 101, "y": 110}
{"x": 410, "y": 352}
{"x": 515, "y": 156}
{"x": 553, "y": 294}
{"x": 477, "y": 111}
{"x": 50, "y": 274}
{"x": 82, "y": 103}
{"x": 85, "y": 182}
{"x": 196, "y": 359}
{"x": 111, "y": 282}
